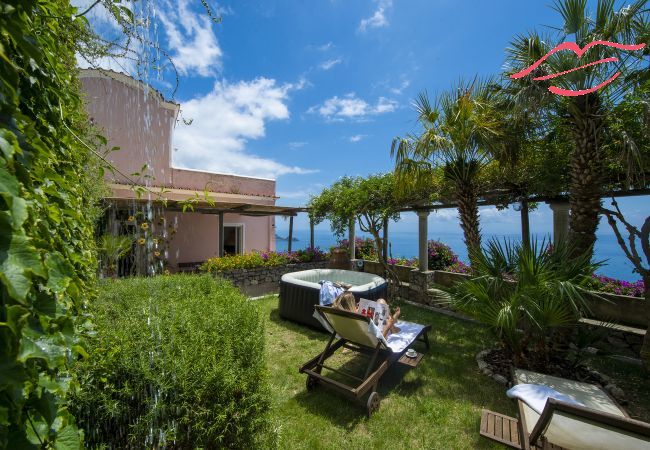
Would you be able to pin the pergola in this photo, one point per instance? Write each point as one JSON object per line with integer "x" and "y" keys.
{"x": 245, "y": 209}
{"x": 559, "y": 205}
{"x": 220, "y": 207}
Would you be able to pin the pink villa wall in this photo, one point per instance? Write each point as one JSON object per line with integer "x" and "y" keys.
{"x": 197, "y": 234}
{"x": 135, "y": 119}
{"x": 140, "y": 121}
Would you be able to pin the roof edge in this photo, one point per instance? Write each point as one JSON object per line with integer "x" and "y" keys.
{"x": 128, "y": 80}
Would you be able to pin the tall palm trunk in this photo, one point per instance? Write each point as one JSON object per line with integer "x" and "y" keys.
{"x": 585, "y": 173}
{"x": 468, "y": 212}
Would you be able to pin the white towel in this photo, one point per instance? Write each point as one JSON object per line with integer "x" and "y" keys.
{"x": 536, "y": 395}
{"x": 328, "y": 293}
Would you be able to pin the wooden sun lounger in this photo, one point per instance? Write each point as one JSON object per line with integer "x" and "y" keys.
{"x": 352, "y": 332}
{"x": 600, "y": 424}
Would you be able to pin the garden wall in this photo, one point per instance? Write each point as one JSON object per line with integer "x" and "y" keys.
{"x": 604, "y": 306}
{"x": 628, "y": 311}
{"x": 618, "y": 308}
{"x": 264, "y": 280}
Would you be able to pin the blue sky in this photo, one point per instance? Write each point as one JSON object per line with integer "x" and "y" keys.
{"x": 306, "y": 92}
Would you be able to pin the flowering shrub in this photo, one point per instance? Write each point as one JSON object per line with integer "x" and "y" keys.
{"x": 402, "y": 261}
{"x": 620, "y": 287}
{"x": 363, "y": 248}
{"x": 440, "y": 256}
{"x": 263, "y": 259}
{"x": 459, "y": 267}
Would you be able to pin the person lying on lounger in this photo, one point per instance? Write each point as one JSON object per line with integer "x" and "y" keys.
{"x": 347, "y": 302}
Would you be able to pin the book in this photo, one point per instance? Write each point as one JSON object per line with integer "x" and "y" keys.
{"x": 377, "y": 312}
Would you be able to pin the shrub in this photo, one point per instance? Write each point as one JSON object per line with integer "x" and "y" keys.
{"x": 177, "y": 361}
{"x": 620, "y": 287}
{"x": 459, "y": 267}
{"x": 262, "y": 259}
{"x": 525, "y": 294}
{"x": 403, "y": 261}
{"x": 363, "y": 248}
{"x": 441, "y": 255}
{"x": 310, "y": 254}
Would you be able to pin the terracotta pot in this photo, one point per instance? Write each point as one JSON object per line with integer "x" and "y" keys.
{"x": 339, "y": 259}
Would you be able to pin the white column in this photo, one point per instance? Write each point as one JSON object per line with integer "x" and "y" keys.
{"x": 423, "y": 231}
{"x": 311, "y": 232}
{"x": 560, "y": 220}
{"x": 290, "y": 243}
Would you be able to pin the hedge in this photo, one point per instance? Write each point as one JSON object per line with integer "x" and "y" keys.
{"x": 262, "y": 259}
{"x": 177, "y": 361}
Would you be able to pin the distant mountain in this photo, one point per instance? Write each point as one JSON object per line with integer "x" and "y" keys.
{"x": 280, "y": 238}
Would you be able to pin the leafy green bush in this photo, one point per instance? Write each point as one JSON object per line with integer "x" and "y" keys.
{"x": 525, "y": 294}
{"x": 47, "y": 195}
{"x": 177, "y": 361}
{"x": 262, "y": 259}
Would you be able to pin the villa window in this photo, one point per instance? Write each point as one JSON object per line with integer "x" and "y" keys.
{"x": 233, "y": 239}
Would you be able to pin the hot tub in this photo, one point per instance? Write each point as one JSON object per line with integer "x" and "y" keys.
{"x": 299, "y": 291}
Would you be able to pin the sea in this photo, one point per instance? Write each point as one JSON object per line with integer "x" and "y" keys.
{"x": 405, "y": 243}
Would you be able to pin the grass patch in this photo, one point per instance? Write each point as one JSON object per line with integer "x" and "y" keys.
{"x": 436, "y": 405}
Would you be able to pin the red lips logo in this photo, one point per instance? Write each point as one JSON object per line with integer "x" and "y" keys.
{"x": 575, "y": 48}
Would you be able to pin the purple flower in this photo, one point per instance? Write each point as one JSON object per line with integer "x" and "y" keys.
{"x": 607, "y": 284}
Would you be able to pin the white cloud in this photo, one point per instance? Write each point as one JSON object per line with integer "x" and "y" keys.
{"x": 192, "y": 43}
{"x": 352, "y": 107}
{"x": 296, "y": 145}
{"x": 302, "y": 193}
{"x": 399, "y": 89}
{"x": 224, "y": 120}
{"x": 294, "y": 194}
{"x": 191, "y": 40}
{"x": 446, "y": 215}
{"x": 327, "y": 65}
{"x": 378, "y": 19}
{"x": 356, "y": 137}
{"x": 325, "y": 47}
{"x": 104, "y": 24}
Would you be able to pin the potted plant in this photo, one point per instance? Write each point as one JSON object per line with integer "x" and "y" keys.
{"x": 112, "y": 248}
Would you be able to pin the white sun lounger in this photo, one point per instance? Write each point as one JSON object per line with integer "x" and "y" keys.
{"x": 600, "y": 424}
{"x": 591, "y": 420}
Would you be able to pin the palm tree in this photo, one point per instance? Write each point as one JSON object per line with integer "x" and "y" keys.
{"x": 583, "y": 114}
{"x": 112, "y": 248}
{"x": 524, "y": 293}
{"x": 456, "y": 135}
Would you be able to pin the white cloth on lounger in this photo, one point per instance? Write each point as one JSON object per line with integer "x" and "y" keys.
{"x": 536, "y": 395}
{"x": 328, "y": 293}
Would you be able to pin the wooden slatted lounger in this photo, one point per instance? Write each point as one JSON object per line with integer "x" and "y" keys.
{"x": 353, "y": 332}
{"x": 600, "y": 424}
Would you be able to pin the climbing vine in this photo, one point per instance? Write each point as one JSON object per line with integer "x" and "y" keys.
{"x": 47, "y": 254}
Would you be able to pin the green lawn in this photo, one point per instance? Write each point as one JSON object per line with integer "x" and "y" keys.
{"x": 436, "y": 405}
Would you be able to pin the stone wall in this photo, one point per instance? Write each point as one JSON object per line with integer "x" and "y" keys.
{"x": 618, "y": 308}
{"x": 265, "y": 275}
